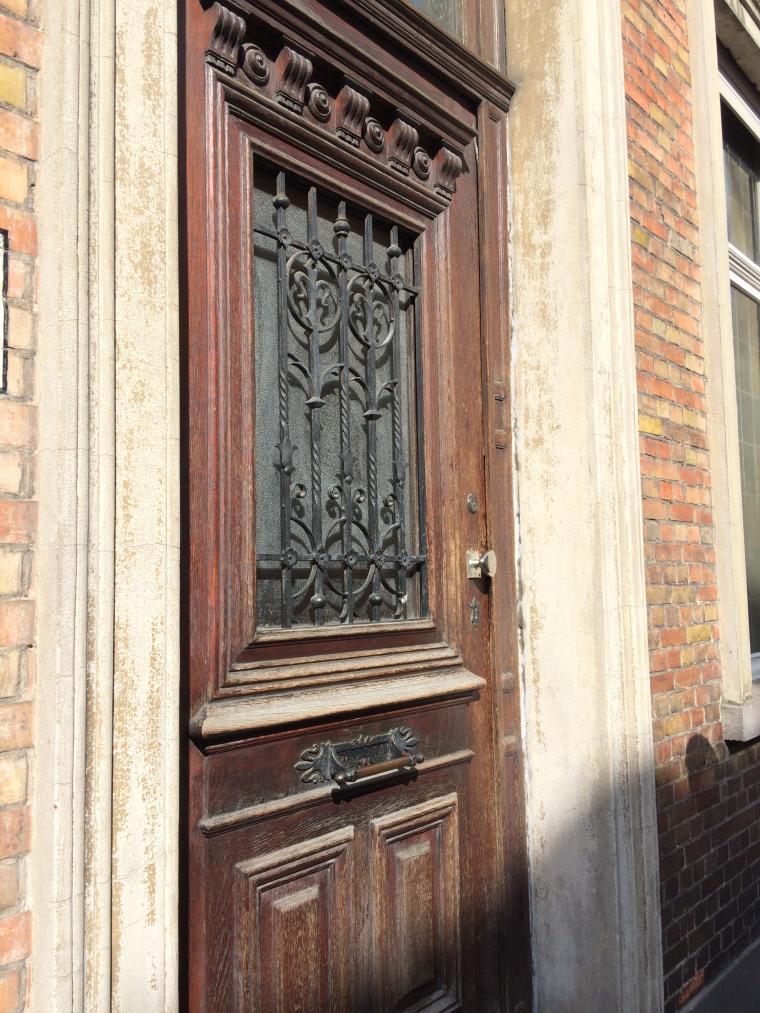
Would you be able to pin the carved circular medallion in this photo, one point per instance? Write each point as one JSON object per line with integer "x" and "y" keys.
{"x": 319, "y": 102}
{"x": 255, "y": 65}
{"x": 374, "y": 134}
{"x": 421, "y": 163}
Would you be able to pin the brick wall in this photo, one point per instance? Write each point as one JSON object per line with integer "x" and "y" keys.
{"x": 708, "y": 802}
{"x": 20, "y": 46}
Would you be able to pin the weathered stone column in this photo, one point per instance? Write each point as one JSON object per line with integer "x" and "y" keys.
{"x": 106, "y": 813}
{"x": 592, "y": 831}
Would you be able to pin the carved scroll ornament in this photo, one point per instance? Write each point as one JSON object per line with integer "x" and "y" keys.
{"x": 288, "y": 79}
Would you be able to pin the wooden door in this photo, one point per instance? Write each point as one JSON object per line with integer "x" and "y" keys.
{"x": 353, "y": 781}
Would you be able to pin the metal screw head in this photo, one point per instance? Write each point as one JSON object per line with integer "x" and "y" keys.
{"x": 472, "y": 503}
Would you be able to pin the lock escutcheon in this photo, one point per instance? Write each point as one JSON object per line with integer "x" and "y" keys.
{"x": 481, "y": 565}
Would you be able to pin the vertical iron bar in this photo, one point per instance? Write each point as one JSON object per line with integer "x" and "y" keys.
{"x": 281, "y": 203}
{"x": 341, "y": 229}
{"x": 417, "y": 269}
{"x": 315, "y": 414}
{"x": 399, "y": 477}
{"x": 371, "y": 415}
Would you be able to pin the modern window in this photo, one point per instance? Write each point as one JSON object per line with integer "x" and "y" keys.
{"x": 741, "y": 147}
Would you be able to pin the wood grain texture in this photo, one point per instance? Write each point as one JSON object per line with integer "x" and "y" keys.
{"x": 294, "y": 912}
{"x": 410, "y": 873}
{"x": 512, "y": 887}
{"x": 306, "y": 800}
{"x": 256, "y": 714}
{"x": 415, "y": 907}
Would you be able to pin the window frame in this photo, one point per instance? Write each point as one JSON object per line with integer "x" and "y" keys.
{"x": 744, "y": 272}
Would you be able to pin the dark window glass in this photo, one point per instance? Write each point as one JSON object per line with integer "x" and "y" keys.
{"x": 339, "y": 537}
{"x": 746, "y": 323}
{"x": 448, "y": 14}
{"x": 742, "y": 167}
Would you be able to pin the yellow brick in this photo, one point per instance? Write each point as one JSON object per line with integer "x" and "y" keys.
{"x": 20, "y": 327}
{"x": 15, "y": 6}
{"x": 661, "y": 65}
{"x": 8, "y": 886}
{"x": 694, "y": 363}
{"x": 649, "y": 425}
{"x": 642, "y": 177}
{"x": 11, "y": 572}
{"x": 14, "y": 180}
{"x": 11, "y": 472}
{"x": 694, "y": 420}
{"x": 640, "y": 237}
{"x": 659, "y": 115}
{"x": 10, "y": 674}
{"x": 698, "y": 633}
{"x": 12, "y": 780}
{"x": 20, "y": 374}
{"x": 12, "y": 85}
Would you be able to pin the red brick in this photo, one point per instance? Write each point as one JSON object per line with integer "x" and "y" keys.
{"x": 16, "y": 725}
{"x": 19, "y": 134}
{"x": 14, "y": 832}
{"x": 18, "y": 424}
{"x": 22, "y": 229}
{"x": 18, "y": 521}
{"x": 15, "y": 938}
{"x": 10, "y": 991}
{"x": 21, "y": 41}
{"x": 16, "y": 623}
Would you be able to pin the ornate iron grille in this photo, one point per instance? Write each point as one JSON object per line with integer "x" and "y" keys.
{"x": 339, "y": 505}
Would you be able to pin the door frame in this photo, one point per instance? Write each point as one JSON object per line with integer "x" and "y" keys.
{"x": 89, "y": 948}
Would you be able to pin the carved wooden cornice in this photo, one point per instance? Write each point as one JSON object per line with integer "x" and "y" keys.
{"x": 225, "y": 39}
{"x": 290, "y": 79}
{"x": 412, "y": 36}
{"x": 415, "y": 35}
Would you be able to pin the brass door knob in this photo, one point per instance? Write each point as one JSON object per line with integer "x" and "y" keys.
{"x": 481, "y": 565}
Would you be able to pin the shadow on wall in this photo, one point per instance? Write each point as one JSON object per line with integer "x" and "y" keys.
{"x": 709, "y": 837}
{"x": 709, "y": 860}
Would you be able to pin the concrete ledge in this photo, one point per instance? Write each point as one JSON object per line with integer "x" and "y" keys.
{"x": 741, "y": 722}
{"x": 738, "y": 26}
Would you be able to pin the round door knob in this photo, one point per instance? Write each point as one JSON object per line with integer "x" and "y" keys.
{"x": 488, "y": 563}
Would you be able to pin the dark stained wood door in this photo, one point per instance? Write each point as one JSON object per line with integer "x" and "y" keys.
{"x": 354, "y": 800}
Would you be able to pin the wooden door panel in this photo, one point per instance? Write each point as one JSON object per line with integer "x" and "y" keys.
{"x": 294, "y": 910}
{"x": 415, "y": 907}
{"x": 332, "y": 865}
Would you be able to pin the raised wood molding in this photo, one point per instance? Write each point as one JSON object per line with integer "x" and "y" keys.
{"x": 225, "y": 40}
{"x": 264, "y": 811}
{"x": 285, "y": 94}
{"x": 353, "y": 666}
{"x": 415, "y": 901}
{"x": 249, "y": 715}
{"x": 415, "y": 36}
{"x": 282, "y": 900}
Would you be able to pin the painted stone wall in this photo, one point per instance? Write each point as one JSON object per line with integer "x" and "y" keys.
{"x": 708, "y": 800}
{"x": 20, "y": 48}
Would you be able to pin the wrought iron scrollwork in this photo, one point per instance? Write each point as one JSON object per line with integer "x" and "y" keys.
{"x": 347, "y": 334}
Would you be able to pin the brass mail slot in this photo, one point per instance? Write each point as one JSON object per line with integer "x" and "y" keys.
{"x": 366, "y": 756}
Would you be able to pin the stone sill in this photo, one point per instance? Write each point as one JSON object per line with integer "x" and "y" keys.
{"x": 741, "y": 722}
{"x": 738, "y": 26}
